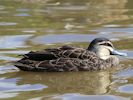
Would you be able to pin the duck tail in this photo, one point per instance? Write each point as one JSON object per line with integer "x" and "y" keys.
{"x": 22, "y": 66}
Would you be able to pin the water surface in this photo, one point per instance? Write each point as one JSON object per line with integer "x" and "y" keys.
{"x": 27, "y": 25}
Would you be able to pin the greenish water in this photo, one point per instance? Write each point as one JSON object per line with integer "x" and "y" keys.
{"x": 27, "y": 25}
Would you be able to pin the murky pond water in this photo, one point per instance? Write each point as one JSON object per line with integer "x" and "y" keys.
{"x": 37, "y": 24}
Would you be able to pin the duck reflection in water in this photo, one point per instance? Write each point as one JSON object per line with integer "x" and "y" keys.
{"x": 67, "y": 82}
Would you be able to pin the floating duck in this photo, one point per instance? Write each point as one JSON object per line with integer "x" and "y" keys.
{"x": 100, "y": 55}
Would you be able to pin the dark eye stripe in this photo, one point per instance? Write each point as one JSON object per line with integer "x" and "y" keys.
{"x": 106, "y": 43}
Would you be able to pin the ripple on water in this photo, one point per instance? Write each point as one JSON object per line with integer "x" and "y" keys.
{"x": 123, "y": 30}
{"x": 129, "y": 53}
{"x": 14, "y": 41}
{"x": 23, "y": 10}
{"x": 64, "y": 38}
{"x": 7, "y": 23}
{"x": 7, "y": 95}
{"x": 112, "y": 26}
{"x": 69, "y": 8}
{"x": 10, "y": 85}
{"x": 7, "y": 58}
{"x": 112, "y": 31}
{"x": 2, "y": 7}
{"x": 7, "y": 69}
{"x": 124, "y": 74}
{"x": 128, "y": 88}
{"x": 89, "y": 97}
{"x": 22, "y": 14}
{"x": 10, "y": 88}
{"x": 14, "y": 52}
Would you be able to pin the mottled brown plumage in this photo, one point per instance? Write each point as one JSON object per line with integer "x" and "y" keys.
{"x": 67, "y": 58}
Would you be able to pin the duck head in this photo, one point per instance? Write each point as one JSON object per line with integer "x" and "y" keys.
{"x": 104, "y": 48}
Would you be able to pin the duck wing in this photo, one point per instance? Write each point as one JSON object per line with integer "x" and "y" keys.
{"x": 55, "y": 53}
{"x": 57, "y": 65}
{"x": 65, "y": 58}
{"x": 40, "y": 55}
{"x": 61, "y": 64}
{"x": 47, "y": 54}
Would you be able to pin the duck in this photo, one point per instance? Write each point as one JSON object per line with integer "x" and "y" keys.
{"x": 99, "y": 55}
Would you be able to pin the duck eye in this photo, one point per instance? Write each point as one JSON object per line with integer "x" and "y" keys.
{"x": 108, "y": 44}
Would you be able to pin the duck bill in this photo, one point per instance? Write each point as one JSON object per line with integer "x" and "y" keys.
{"x": 115, "y": 52}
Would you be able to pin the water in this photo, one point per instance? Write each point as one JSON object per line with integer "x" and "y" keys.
{"x": 37, "y": 24}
